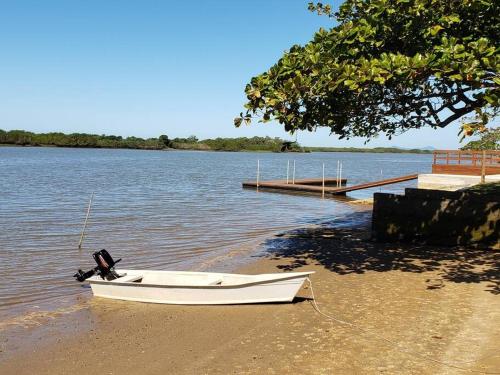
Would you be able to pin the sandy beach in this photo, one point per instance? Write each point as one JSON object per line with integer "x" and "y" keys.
{"x": 437, "y": 305}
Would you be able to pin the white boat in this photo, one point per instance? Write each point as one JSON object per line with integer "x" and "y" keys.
{"x": 188, "y": 288}
{"x": 199, "y": 288}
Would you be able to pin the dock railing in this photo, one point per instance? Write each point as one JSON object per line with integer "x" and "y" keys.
{"x": 464, "y": 162}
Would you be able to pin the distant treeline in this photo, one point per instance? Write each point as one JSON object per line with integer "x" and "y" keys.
{"x": 25, "y": 138}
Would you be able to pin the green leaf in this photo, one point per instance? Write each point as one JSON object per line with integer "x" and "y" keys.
{"x": 237, "y": 121}
{"x": 491, "y": 99}
{"x": 435, "y": 29}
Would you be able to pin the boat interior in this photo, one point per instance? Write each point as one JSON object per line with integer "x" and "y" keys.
{"x": 194, "y": 278}
{"x": 181, "y": 278}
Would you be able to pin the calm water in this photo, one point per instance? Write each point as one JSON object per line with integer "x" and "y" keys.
{"x": 163, "y": 210}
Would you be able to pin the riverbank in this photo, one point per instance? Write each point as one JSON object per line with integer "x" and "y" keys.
{"x": 241, "y": 144}
{"x": 205, "y": 147}
{"x": 438, "y": 302}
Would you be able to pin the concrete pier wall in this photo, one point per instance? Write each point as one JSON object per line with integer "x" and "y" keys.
{"x": 437, "y": 217}
{"x": 451, "y": 182}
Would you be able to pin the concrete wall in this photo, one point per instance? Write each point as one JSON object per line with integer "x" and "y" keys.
{"x": 437, "y": 217}
{"x": 451, "y": 182}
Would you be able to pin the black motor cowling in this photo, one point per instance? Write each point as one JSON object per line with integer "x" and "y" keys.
{"x": 105, "y": 267}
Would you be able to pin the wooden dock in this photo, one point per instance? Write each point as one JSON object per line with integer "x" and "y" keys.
{"x": 315, "y": 185}
{"x": 301, "y": 181}
{"x": 466, "y": 162}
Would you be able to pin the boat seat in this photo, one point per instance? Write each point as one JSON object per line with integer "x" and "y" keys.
{"x": 216, "y": 282}
{"x": 127, "y": 279}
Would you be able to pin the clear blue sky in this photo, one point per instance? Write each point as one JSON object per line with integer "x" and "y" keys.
{"x": 147, "y": 68}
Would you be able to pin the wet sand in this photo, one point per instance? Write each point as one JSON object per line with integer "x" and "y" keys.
{"x": 438, "y": 302}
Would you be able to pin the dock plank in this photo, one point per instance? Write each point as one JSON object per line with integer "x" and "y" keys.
{"x": 303, "y": 185}
{"x": 302, "y": 181}
{"x": 368, "y": 185}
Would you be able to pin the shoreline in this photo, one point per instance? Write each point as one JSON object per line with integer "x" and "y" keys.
{"x": 440, "y": 302}
{"x": 229, "y": 262}
{"x": 308, "y": 150}
{"x": 40, "y": 313}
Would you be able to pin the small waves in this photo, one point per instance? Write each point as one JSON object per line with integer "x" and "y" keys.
{"x": 163, "y": 210}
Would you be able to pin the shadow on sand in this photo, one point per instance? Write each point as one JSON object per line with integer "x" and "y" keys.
{"x": 346, "y": 250}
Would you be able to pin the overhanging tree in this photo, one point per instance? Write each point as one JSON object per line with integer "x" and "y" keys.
{"x": 489, "y": 140}
{"x": 388, "y": 66}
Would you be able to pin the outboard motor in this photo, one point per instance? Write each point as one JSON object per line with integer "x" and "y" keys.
{"x": 105, "y": 267}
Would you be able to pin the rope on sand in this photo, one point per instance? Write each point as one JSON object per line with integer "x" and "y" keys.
{"x": 394, "y": 343}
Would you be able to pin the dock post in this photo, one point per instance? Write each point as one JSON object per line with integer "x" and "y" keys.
{"x": 85, "y": 223}
{"x": 323, "y": 183}
{"x": 287, "y": 170}
{"x": 258, "y": 172}
{"x": 338, "y": 169}
{"x": 340, "y": 175}
{"x": 293, "y": 174}
{"x": 483, "y": 168}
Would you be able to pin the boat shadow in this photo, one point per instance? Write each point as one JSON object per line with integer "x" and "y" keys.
{"x": 298, "y": 299}
{"x": 348, "y": 250}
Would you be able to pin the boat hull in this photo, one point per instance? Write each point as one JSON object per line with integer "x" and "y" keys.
{"x": 282, "y": 288}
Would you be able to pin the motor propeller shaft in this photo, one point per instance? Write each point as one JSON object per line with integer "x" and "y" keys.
{"x": 82, "y": 276}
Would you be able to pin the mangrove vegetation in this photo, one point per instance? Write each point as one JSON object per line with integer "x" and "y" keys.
{"x": 163, "y": 142}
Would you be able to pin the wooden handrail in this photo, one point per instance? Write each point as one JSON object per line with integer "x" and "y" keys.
{"x": 461, "y": 157}
{"x": 466, "y": 157}
{"x": 470, "y": 151}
